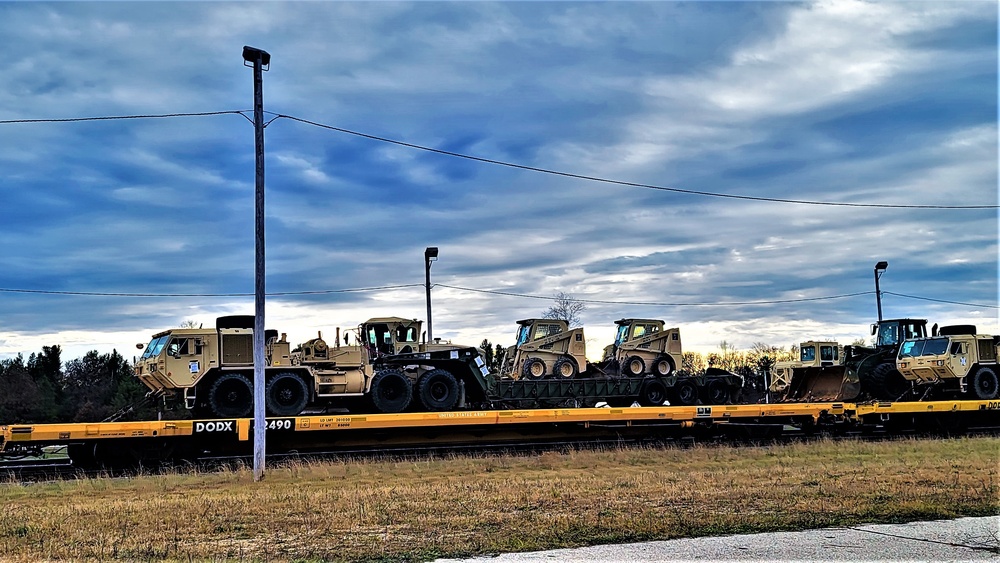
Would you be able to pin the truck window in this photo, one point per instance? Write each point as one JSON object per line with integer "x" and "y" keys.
{"x": 178, "y": 346}
{"x": 406, "y": 334}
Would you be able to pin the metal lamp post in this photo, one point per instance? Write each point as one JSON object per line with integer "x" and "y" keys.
{"x": 430, "y": 255}
{"x": 259, "y": 60}
{"x": 879, "y": 270}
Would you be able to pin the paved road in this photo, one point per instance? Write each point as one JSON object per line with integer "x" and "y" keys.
{"x": 965, "y": 539}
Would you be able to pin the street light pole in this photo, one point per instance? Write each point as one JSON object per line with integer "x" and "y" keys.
{"x": 259, "y": 59}
{"x": 430, "y": 255}
{"x": 879, "y": 270}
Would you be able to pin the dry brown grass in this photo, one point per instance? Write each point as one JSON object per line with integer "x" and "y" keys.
{"x": 417, "y": 510}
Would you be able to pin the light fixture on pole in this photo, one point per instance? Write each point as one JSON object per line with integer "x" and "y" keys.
{"x": 258, "y": 59}
{"x": 430, "y": 255}
{"x": 879, "y": 270}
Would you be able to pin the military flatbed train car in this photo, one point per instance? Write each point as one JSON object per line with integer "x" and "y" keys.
{"x": 137, "y": 443}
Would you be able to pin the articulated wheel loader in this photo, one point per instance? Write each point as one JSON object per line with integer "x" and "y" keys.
{"x": 865, "y": 370}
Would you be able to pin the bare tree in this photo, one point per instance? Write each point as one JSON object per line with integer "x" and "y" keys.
{"x": 190, "y": 323}
{"x": 567, "y": 309}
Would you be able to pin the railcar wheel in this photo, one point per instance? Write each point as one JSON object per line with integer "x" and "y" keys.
{"x": 438, "y": 390}
{"x": 634, "y": 366}
{"x": 653, "y": 394}
{"x": 391, "y": 391}
{"x": 663, "y": 366}
{"x": 286, "y": 394}
{"x": 565, "y": 368}
{"x": 716, "y": 392}
{"x": 231, "y": 396}
{"x": 686, "y": 393}
{"x": 533, "y": 368}
{"x": 984, "y": 384}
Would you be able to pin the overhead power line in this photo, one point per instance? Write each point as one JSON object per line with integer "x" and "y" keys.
{"x": 113, "y": 117}
{"x": 274, "y": 294}
{"x": 507, "y": 164}
{"x": 941, "y": 300}
{"x": 623, "y": 183}
{"x": 658, "y": 303}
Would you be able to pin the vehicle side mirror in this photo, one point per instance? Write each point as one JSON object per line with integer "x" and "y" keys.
{"x": 874, "y": 328}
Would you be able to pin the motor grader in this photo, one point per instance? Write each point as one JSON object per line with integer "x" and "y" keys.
{"x": 954, "y": 359}
{"x": 211, "y": 370}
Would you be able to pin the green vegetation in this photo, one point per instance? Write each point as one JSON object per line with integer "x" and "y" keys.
{"x": 419, "y": 510}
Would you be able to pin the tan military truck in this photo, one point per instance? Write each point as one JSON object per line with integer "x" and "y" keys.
{"x": 211, "y": 370}
{"x": 812, "y": 354}
{"x": 546, "y": 347}
{"x": 955, "y": 359}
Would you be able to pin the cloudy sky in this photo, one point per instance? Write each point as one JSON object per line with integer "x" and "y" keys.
{"x": 882, "y": 105}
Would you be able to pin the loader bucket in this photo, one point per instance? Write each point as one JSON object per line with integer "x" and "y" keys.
{"x": 823, "y": 384}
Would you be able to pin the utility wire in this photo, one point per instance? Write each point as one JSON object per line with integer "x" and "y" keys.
{"x": 941, "y": 300}
{"x": 657, "y": 303}
{"x": 507, "y": 164}
{"x": 113, "y": 117}
{"x": 274, "y": 294}
{"x": 622, "y": 183}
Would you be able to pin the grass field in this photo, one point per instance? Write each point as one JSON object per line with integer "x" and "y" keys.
{"x": 417, "y": 510}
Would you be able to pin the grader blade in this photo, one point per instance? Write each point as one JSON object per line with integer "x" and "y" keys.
{"x": 823, "y": 384}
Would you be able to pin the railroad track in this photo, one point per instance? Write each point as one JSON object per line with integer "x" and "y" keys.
{"x": 26, "y": 471}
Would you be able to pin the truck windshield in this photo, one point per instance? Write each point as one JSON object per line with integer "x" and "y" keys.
{"x": 154, "y": 347}
{"x": 929, "y": 347}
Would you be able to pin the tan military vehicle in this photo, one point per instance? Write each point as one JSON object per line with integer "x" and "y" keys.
{"x": 546, "y": 347}
{"x": 812, "y": 354}
{"x": 211, "y": 370}
{"x": 644, "y": 346}
{"x": 955, "y": 358}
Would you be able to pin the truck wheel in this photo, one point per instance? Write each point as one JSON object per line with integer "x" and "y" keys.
{"x": 885, "y": 382}
{"x": 438, "y": 390}
{"x": 663, "y": 366}
{"x": 685, "y": 393}
{"x": 565, "y": 368}
{"x": 231, "y": 396}
{"x": 653, "y": 393}
{"x": 716, "y": 392}
{"x": 634, "y": 366}
{"x": 984, "y": 384}
{"x": 286, "y": 394}
{"x": 533, "y": 368}
{"x": 391, "y": 391}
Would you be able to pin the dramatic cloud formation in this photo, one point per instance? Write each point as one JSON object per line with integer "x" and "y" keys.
{"x": 847, "y": 101}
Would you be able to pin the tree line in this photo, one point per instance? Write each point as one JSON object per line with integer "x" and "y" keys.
{"x": 41, "y": 389}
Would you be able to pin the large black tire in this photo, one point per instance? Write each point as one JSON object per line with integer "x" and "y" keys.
{"x": 286, "y": 394}
{"x": 886, "y": 383}
{"x": 985, "y": 384}
{"x": 231, "y": 396}
{"x": 391, "y": 391}
{"x": 685, "y": 393}
{"x": 716, "y": 392}
{"x": 533, "y": 369}
{"x": 634, "y": 366}
{"x": 653, "y": 394}
{"x": 662, "y": 366}
{"x": 438, "y": 390}
{"x": 565, "y": 368}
